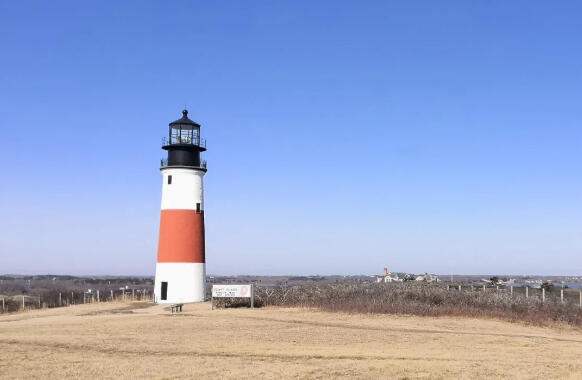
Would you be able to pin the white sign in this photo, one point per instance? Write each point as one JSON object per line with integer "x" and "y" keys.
{"x": 231, "y": 291}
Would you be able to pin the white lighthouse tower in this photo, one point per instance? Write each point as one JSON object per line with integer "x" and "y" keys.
{"x": 180, "y": 268}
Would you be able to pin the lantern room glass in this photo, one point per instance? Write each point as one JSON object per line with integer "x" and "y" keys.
{"x": 185, "y": 134}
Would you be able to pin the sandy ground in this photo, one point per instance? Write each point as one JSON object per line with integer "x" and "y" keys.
{"x": 119, "y": 340}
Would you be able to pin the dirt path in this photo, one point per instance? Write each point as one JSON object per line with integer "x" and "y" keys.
{"x": 144, "y": 340}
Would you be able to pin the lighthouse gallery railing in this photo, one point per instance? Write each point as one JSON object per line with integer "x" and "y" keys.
{"x": 187, "y": 140}
{"x": 164, "y": 162}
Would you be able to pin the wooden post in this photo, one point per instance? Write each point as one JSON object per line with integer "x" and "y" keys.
{"x": 562, "y": 295}
{"x": 39, "y": 302}
{"x": 543, "y": 294}
{"x": 483, "y": 287}
{"x": 72, "y": 298}
{"x": 112, "y": 295}
{"x": 459, "y": 288}
{"x": 253, "y": 296}
{"x": 83, "y": 296}
{"x": 447, "y": 287}
{"x": 97, "y": 295}
{"x": 60, "y": 299}
{"x": 133, "y": 294}
{"x": 23, "y": 302}
{"x": 527, "y": 292}
{"x": 211, "y": 302}
{"x": 3, "y": 307}
{"x": 497, "y": 287}
{"x": 511, "y": 290}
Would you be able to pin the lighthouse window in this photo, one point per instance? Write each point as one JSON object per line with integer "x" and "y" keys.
{"x": 164, "y": 291}
{"x": 198, "y": 208}
{"x": 169, "y": 180}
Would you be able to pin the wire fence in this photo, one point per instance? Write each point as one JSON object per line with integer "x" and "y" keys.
{"x": 542, "y": 294}
{"x": 53, "y": 299}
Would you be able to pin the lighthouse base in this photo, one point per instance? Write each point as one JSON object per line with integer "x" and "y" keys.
{"x": 180, "y": 282}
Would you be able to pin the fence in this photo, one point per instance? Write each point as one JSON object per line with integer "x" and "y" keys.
{"x": 565, "y": 295}
{"x": 53, "y": 299}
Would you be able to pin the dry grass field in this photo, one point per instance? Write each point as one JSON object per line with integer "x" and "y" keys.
{"x": 140, "y": 340}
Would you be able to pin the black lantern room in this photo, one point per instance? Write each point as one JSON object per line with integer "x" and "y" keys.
{"x": 184, "y": 144}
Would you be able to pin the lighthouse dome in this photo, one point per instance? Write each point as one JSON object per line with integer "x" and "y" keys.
{"x": 184, "y": 123}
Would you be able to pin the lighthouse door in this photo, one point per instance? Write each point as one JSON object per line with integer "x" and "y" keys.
{"x": 164, "y": 291}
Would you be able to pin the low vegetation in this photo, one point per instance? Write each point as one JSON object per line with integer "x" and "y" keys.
{"x": 418, "y": 299}
{"x": 18, "y": 293}
{"x": 410, "y": 298}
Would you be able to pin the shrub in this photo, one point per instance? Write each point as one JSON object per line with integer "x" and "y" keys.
{"x": 415, "y": 299}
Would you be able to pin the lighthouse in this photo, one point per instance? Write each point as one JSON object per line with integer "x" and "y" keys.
{"x": 180, "y": 267}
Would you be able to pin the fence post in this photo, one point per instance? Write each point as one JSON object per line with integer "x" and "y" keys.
{"x": 511, "y": 290}
{"x": 497, "y": 287}
{"x": 483, "y": 287}
{"x": 72, "y": 298}
{"x": 23, "y": 302}
{"x": 133, "y": 294}
{"x": 459, "y": 288}
{"x": 543, "y": 294}
{"x": 253, "y": 296}
{"x": 562, "y": 295}
{"x": 39, "y": 304}
{"x": 112, "y": 296}
{"x": 98, "y": 296}
{"x": 3, "y": 308}
{"x": 527, "y": 292}
{"x": 448, "y": 287}
{"x": 83, "y": 296}
{"x": 60, "y": 299}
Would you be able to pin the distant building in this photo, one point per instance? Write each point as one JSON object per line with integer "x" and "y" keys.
{"x": 388, "y": 277}
{"x": 427, "y": 277}
{"x": 401, "y": 277}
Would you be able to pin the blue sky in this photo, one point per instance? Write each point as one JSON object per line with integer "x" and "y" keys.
{"x": 342, "y": 136}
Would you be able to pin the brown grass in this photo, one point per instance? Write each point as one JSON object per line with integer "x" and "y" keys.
{"x": 117, "y": 340}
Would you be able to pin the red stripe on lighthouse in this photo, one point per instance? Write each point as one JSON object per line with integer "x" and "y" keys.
{"x": 181, "y": 237}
